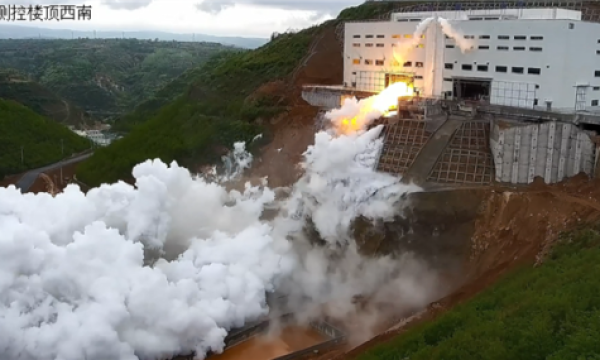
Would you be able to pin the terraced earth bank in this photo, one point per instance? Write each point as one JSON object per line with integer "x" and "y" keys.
{"x": 470, "y": 238}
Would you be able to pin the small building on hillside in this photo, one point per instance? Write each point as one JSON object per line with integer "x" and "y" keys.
{"x": 96, "y": 136}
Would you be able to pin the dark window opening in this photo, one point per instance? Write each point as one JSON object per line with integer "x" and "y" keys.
{"x": 357, "y": 36}
{"x": 380, "y": 36}
{"x": 483, "y": 47}
{"x": 571, "y": 26}
{"x": 503, "y": 37}
{"x": 518, "y": 48}
{"x": 419, "y": 64}
{"x": 467, "y": 67}
{"x": 536, "y": 38}
{"x": 464, "y": 89}
{"x": 535, "y": 49}
{"x": 597, "y": 73}
{"x": 534, "y": 71}
{"x": 502, "y": 48}
{"x": 449, "y": 46}
{"x": 484, "y": 36}
{"x": 520, "y": 37}
{"x": 379, "y": 62}
{"x": 368, "y": 45}
{"x": 448, "y": 79}
{"x": 502, "y": 69}
{"x": 535, "y": 102}
{"x": 379, "y": 45}
{"x": 594, "y": 102}
{"x": 517, "y": 70}
{"x": 469, "y": 36}
{"x": 418, "y": 77}
{"x": 596, "y": 88}
{"x": 482, "y": 68}
{"x": 408, "y": 64}
{"x": 369, "y": 36}
{"x": 449, "y": 66}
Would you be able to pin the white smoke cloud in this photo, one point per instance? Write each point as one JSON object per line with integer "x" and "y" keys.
{"x": 73, "y": 283}
{"x": 465, "y": 45}
{"x": 404, "y": 48}
{"x": 171, "y": 265}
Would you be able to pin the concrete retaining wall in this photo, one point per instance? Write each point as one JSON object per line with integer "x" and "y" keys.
{"x": 322, "y": 98}
{"x": 551, "y": 150}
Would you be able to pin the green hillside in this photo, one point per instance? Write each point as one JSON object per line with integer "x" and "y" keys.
{"x": 39, "y": 139}
{"x": 211, "y": 113}
{"x": 551, "y": 312}
{"x": 104, "y": 77}
{"x": 14, "y": 86}
{"x": 214, "y": 93}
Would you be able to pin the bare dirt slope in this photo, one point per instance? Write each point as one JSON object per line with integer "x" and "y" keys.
{"x": 514, "y": 228}
{"x": 293, "y": 130}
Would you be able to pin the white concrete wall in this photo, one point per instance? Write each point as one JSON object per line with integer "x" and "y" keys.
{"x": 322, "y": 98}
{"x": 524, "y": 14}
{"x": 568, "y": 56}
{"x": 551, "y": 150}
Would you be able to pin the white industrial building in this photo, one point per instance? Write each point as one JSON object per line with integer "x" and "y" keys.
{"x": 545, "y": 59}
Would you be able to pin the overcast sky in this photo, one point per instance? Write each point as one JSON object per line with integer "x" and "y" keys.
{"x": 249, "y": 18}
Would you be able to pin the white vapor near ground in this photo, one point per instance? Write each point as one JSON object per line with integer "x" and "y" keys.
{"x": 169, "y": 266}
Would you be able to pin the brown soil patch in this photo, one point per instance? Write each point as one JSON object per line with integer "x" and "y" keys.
{"x": 293, "y": 130}
{"x": 515, "y": 228}
{"x": 68, "y": 171}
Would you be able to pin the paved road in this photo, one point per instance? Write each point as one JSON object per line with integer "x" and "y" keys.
{"x": 27, "y": 180}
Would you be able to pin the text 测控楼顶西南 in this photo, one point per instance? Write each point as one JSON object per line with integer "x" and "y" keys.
{"x": 12, "y": 12}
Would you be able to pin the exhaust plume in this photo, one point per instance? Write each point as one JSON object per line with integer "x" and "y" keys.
{"x": 465, "y": 45}
{"x": 171, "y": 265}
{"x": 404, "y": 48}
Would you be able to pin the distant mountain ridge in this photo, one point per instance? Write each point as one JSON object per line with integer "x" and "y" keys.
{"x": 27, "y": 32}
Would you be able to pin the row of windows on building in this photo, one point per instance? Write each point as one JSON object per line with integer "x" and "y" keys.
{"x": 394, "y": 63}
{"x": 481, "y": 37}
{"x": 505, "y": 37}
{"x": 499, "y": 69}
{"x": 380, "y": 45}
{"x": 395, "y": 36}
{"x": 503, "y": 48}
{"x": 450, "y": 46}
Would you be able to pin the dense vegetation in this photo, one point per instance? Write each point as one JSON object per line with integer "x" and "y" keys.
{"x": 551, "y": 312}
{"x": 216, "y": 92}
{"x": 104, "y": 76}
{"x": 14, "y": 86}
{"x": 41, "y": 140}
{"x": 214, "y": 111}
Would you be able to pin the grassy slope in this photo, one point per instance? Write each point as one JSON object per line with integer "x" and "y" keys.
{"x": 551, "y": 312}
{"x": 40, "y": 138}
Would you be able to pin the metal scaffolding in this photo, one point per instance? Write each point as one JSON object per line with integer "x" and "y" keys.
{"x": 467, "y": 159}
{"x": 402, "y": 142}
